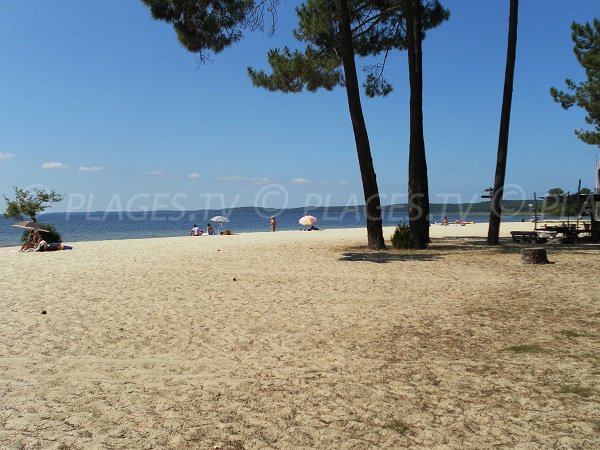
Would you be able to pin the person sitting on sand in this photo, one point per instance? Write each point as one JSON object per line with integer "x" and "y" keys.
{"x": 445, "y": 221}
{"x": 41, "y": 246}
{"x": 195, "y": 231}
{"x": 312, "y": 228}
{"x": 32, "y": 241}
{"x": 209, "y": 229}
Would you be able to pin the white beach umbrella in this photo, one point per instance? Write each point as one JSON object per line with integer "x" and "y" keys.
{"x": 220, "y": 220}
{"x": 30, "y": 226}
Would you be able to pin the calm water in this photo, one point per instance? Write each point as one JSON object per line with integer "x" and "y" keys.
{"x": 98, "y": 226}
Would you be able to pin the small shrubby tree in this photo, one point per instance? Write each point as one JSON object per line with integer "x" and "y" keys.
{"x": 402, "y": 237}
{"x": 50, "y": 235}
{"x": 560, "y": 203}
{"x": 28, "y": 204}
{"x": 556, "y": 192}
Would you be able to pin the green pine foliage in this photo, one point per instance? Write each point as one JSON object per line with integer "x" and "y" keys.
{"x": 204, "y": 26}
{"x": 378, "y": 27}
{"x": 293, "y": 71}
{"x": 586, "y": 94}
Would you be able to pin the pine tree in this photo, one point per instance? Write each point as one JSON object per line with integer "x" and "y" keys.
{"x": 418, "y": 184}
{"x": 511, "y": 54}
{"x": 586, "y": 94}
{"x": 204, "y": 26}
{"x": 334, "y": 33}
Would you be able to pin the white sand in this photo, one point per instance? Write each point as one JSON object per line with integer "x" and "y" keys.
{"x": 299, "y": 340}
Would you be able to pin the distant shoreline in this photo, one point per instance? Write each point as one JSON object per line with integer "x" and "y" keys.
{"x": 512, "y": 207}
{"x": 474, "y": 230}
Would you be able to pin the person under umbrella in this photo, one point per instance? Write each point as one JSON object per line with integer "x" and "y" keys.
{"x": 220, "y": 220}
{"x": 32, "y": 241}
{"x": 308, "y": 220}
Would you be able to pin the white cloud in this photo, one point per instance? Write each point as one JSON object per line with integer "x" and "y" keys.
{"x": 249, "y": 180}
{"x": 5, "y": 156}
{"x": 229, "y": 179}
{"x": 226, "y": 179}
{"x": 194, "y": 175}
{"x": 155, "y": 172}
{"x": 54, "y": 165}
{"x": 299, "y": 181}
{"x": 90, "y": 169}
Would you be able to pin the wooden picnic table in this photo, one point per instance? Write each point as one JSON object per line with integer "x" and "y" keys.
{"x": 568, "y": 232}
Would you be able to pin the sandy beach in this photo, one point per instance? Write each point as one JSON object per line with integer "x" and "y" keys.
{"x": 300, "y": 340}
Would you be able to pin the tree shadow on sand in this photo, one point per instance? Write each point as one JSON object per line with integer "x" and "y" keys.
{"x": 386, "y": 257}
{"x": 558, "y": 247}
{"x": 507, "y": 245}
{"x": 441, "y": 247}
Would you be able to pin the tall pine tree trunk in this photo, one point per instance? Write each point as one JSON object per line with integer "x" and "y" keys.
{"x": 375, "y": 238}
{"x": 496, "y": 213}
{"x": 418, "y": 185}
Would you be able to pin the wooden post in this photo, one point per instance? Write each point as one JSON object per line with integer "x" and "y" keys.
{"x": 595, "y": 229}
{"x": 595, "y": 219}
{"x": 534, "y": 256}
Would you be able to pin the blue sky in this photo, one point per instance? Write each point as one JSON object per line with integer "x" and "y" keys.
{"x": 100, "y": 102}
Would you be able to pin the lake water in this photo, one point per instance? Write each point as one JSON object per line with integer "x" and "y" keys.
{"x": 98, "y": 226}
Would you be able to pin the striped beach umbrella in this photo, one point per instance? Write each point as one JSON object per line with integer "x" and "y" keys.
{"x": 307, "y": 220}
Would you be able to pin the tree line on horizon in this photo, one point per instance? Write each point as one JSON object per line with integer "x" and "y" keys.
{"x": 557, "y": 202}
